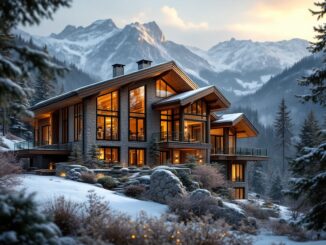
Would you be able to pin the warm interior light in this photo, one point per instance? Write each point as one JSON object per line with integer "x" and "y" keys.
{"x": 99, "y": 175}
{"x": 63, "y": 174}
{"x": 51, "y": 167}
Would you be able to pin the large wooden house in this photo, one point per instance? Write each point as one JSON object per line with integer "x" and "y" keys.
{"x": 125, "y": 115}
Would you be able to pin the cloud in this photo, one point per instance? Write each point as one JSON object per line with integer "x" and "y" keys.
{"x": 276, "y": 19}
{"x": 172, "y": 18}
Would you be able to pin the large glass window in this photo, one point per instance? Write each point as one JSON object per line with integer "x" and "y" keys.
{"x": 46, "y": 135}
{"x": 65, "y": 124}
{"x": 137, "y": 114}
{"x": 78, "y": 121}
{"x": 137, "y": 157}
{"x": 237, "y": 172}
{"x": 108, "y": 116}
{"x": 239, "y": 193}
{"x": 109, "y": 154}
{"x": 163, "y": 89}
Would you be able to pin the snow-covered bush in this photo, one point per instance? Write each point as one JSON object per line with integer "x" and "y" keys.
{"x": 135, "y": 190}
{"x": 108, "y": 182}
{"x": 209, "y": 177}
{"x": 65, "y": 214}
{"x": 22, "y": 223}
{"x": 88, "y": 177}
{"x": 8, "y": 171}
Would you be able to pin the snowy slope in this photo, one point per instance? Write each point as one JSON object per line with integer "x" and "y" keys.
{"x": 8, "y": 142}
{"x": 238, "y": 67}
{"x": 77, "y": 192}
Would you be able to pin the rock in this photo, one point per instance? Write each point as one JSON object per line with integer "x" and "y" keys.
{"x": 124, "y": 171}
{"x": 98, "y": 185}
{"x": 199, "y": 194}
{"x": 252, "y": 222}
{"x": 75, "y": 173}
{"x": 195, "y": 185}
{"x": 165, "y": 186}
{"x": 144, "y": 180}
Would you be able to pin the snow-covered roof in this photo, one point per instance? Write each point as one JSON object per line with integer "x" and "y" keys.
{"x": 229, "y": 117}
{"x": 237, "y": 120}
{"x": 188, "y": 96}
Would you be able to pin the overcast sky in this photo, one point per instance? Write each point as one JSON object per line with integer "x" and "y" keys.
{"x": 200, "y": 23}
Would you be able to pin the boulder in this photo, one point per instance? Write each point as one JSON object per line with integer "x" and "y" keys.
{"x": 165, "y": 186}
{"x": 199, "y": 194}
{"x": 75, "y": 173}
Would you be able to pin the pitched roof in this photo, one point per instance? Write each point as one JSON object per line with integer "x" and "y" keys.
{"x": 237, "y": 120}
{"x": 211, "y": 93}
{"x": 97, "y": 87}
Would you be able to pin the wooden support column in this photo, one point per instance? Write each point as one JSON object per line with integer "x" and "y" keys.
{"x": 182, "y": 124}
{"x": 226, "y": 140}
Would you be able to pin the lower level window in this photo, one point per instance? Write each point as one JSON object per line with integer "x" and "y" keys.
{"x": 136, "y": 157}
{"x": 237, "y": 172}
{"x": 109, "y": 154}
{"x": 239, "y": 193}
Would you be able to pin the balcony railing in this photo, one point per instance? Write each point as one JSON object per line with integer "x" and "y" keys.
{"x": 30, "y": 145}
{"x": 177, "y": 137}
{"x": 240, "y": 151}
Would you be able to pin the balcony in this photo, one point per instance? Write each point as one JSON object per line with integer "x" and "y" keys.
{"x": 177, "y": 140}
{"x": 250, "y": 154}
{"x": 29, "y": 145}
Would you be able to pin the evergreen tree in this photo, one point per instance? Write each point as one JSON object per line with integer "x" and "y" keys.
{"x": 316, "y": 81}
{"x": 17, "y": 61}
{"x": 258, "y": 179}
{"x": 154, "y": 152}
{"x": 275, "y": 192}
{"x": 309, "y": 134}
{"x": 76, "y": 155}
{"x": 44, "y": 87}
{"x": 283, "y": 127}
{"x": 22, "y": 223}
{"x": 308, "y": 185}
{"x": 92, "y": 156}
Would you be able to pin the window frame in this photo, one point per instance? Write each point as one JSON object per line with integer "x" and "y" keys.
{"x": 78, "y": 118}
{"x": 144, "y": 117}
{"x": 238, "y": 191}
{"x": 108, "y": 116}
{"x": 136, "y": 149}
{"x": 158, "y": 92}
{"x": 111, "y": 148}
{"x": 65, "y": 125}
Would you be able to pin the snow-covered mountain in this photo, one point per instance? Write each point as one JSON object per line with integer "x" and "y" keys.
{"x": 237, "y": 67}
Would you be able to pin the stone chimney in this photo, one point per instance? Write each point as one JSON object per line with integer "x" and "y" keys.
{"x": 118, "y": 70}
{"x": 144, "y": 64}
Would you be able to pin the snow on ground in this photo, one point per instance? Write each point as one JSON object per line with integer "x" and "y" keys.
{"x": 268, "y": 239}
{"x": 233, "y": 206}
{"x": 10, "y": 143}
{"x": 49, "y": 187}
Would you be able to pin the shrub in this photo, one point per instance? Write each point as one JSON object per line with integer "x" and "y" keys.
{"x": 65, "y": 214}
{"x": 9, "y": 169}
{"x": 135, "y": 190}
{"x": 88, "y": 177}
{"x": 293, "y": 232}
{"x": 185, "y": 179}
{"x": 258, "y": 212}
{"x": 108, "y": 182}
{"x": 210, "y": 177}
{"x": 22, "y": 223}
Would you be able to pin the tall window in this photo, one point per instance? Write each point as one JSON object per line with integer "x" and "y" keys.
{"x": 163, "y": 89}
{"x": 239, "y": 193}
{"x": 109, "y": 154}
{"x": 78, "y": 121}
{"x": 137, "y": 157}
{"x": 237, "y": 172}
{"x": 170, "y": 127}
{"x": 45, "y": 135}
{"x": 108, "y": 116}
{"x": 137, "y": 114}
{"x": 65, "y": 123}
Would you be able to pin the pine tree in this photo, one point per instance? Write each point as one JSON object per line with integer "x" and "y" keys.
{"x": 308, "y": 185}
{"x": 316, "y": 81}
{"x": 258, "y": 179}
{"x": 309, "y": 134}
{"x": 18, "y": 61}
{"x": 92, "y": 156}
{"x": 275, "y": 192}
{"x": 22, "y": 223}
{"x": 154, "y": 152}
{"x": 283, "y": 127}
{"x": 76, "y": 155}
